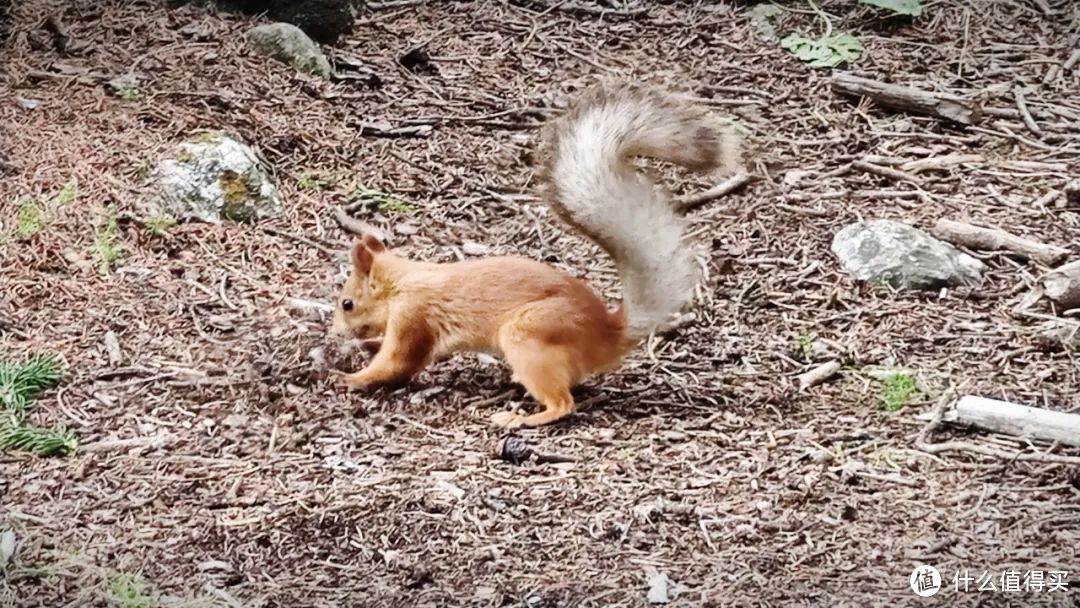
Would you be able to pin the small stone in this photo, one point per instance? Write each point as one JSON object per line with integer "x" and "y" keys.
{"x": 213, "y": 177}
{"x": 288, "y": 43}
{"x": 406, "y": 228}
{"x": 903, "y": 256}
{"x": 26, "y": 103}
{"x": 7, "y": 547}
{"x": 112, "y": 348}
{"x": 474, "y": 249}
{"x": 658, "y": 589}
{"x": 199, "y": 30}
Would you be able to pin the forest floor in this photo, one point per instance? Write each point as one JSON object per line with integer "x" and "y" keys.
{"x": 700, "y": 459}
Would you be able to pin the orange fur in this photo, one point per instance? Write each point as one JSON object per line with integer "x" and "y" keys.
{"x": 551, "y": 328}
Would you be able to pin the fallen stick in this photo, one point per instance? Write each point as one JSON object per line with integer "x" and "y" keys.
{"x": 304, "y": 304}
{"x": 889, "y": 172}
{"x": 1062, "y": 285}
{"x": 988, "y": 239}
{"x": 940, "y": 162}
{"x": 359, "y": 227}
{"x": 383, "y": 129}
{"x": 941, "y": 105}
{"x": 1016, "y": 419}
{"x": 724, "y": 188}
{"x": 107, "y": 445}
{"x": 818, "y": 375}
{"x": 1021, "y": 106}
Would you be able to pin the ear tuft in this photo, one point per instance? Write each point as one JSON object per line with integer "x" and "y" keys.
{"x": 373, "y": 243}
{"x": 362, "y": 257}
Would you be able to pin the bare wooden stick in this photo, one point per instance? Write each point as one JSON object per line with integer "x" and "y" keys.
{"x": 724, "y": 188}
{"x": 889, "y": 172}
{"x": 359, "y": 227}
{"x": 305, "y": 304}
{"x": 1016, "y": 419}
{"x": 940, "y": 162}
{"x": 1063, "y": 285}
{"x": 107, "y": 445}
{"x": 1073, "y": 59}
{"x": 976, "y": 237}
{"x": 1021, "y": 106}
{"x": 818, "y": 375}
{"x": 941, "y": 105}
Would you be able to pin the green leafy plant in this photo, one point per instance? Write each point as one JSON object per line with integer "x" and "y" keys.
{"x": 385, "y": 203}
{"x": 107, "y": 247}
{"x": 159, "y": 223}
{"x": 31, "y": 218}
{"x": 19, "y": 385}
{"x": 824, "y": 52}
{"x": 67, "y": 194}
{"x": 396, "y": 207}
{"x": 310, "y": 182}
{"x": 129, "y": 591}
{"x": 827, "y": 51}
{"x": 913, "y": 8}
{"x": 806, "y": 346}
{"x": 129, "y": 94}
{"x": 898, "y": 390}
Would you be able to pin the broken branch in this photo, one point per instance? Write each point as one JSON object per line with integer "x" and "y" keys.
{"x": 818, "y": 375}
{"x": 724, "y": 188}
{"x": 989, "y": 239}
{"x": 941, "y": 105}
{"x": 1015, "y": 419}
{"x": 894, "y": 174}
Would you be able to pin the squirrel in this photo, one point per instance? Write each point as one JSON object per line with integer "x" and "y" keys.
{"x": 552, "y": 328}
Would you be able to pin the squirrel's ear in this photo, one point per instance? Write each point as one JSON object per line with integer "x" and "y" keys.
{"x": 373, "y": 243}
{"x": 362, "y": 258}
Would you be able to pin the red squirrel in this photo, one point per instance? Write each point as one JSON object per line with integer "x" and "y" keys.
{"x": 552, "y": 328}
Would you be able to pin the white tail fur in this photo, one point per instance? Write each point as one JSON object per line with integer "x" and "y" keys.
{"x": 589, "y": 181}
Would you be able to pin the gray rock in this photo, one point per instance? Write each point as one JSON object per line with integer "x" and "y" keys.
{"x": 212, "y": 177}
{"x": 903, "y": 256}
{"x": 288, "y": 43}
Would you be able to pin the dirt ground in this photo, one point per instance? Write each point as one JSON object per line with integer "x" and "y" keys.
{"x": 700, "y": 459}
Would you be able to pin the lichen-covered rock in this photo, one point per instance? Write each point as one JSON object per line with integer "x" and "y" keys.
{"x": 212, "y": 177}
{"x": 288, "y": 43}
{"x": 903, "y": 256}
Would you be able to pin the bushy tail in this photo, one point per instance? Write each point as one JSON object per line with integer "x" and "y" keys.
{"x": 587, "y": 178}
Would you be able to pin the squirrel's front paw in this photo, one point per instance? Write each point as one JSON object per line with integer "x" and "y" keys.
{"x": 358, "y": 380}
{"x": 507, "y": 420}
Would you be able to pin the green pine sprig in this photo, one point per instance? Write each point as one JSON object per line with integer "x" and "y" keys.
{"x": 19, "y": 384}
{"x": 42, "y": 442}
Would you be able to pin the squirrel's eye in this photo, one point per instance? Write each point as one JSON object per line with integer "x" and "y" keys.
{"x": 346, "y": 305}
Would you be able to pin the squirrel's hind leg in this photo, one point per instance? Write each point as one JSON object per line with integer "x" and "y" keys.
{"x": 546, "y": 372}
